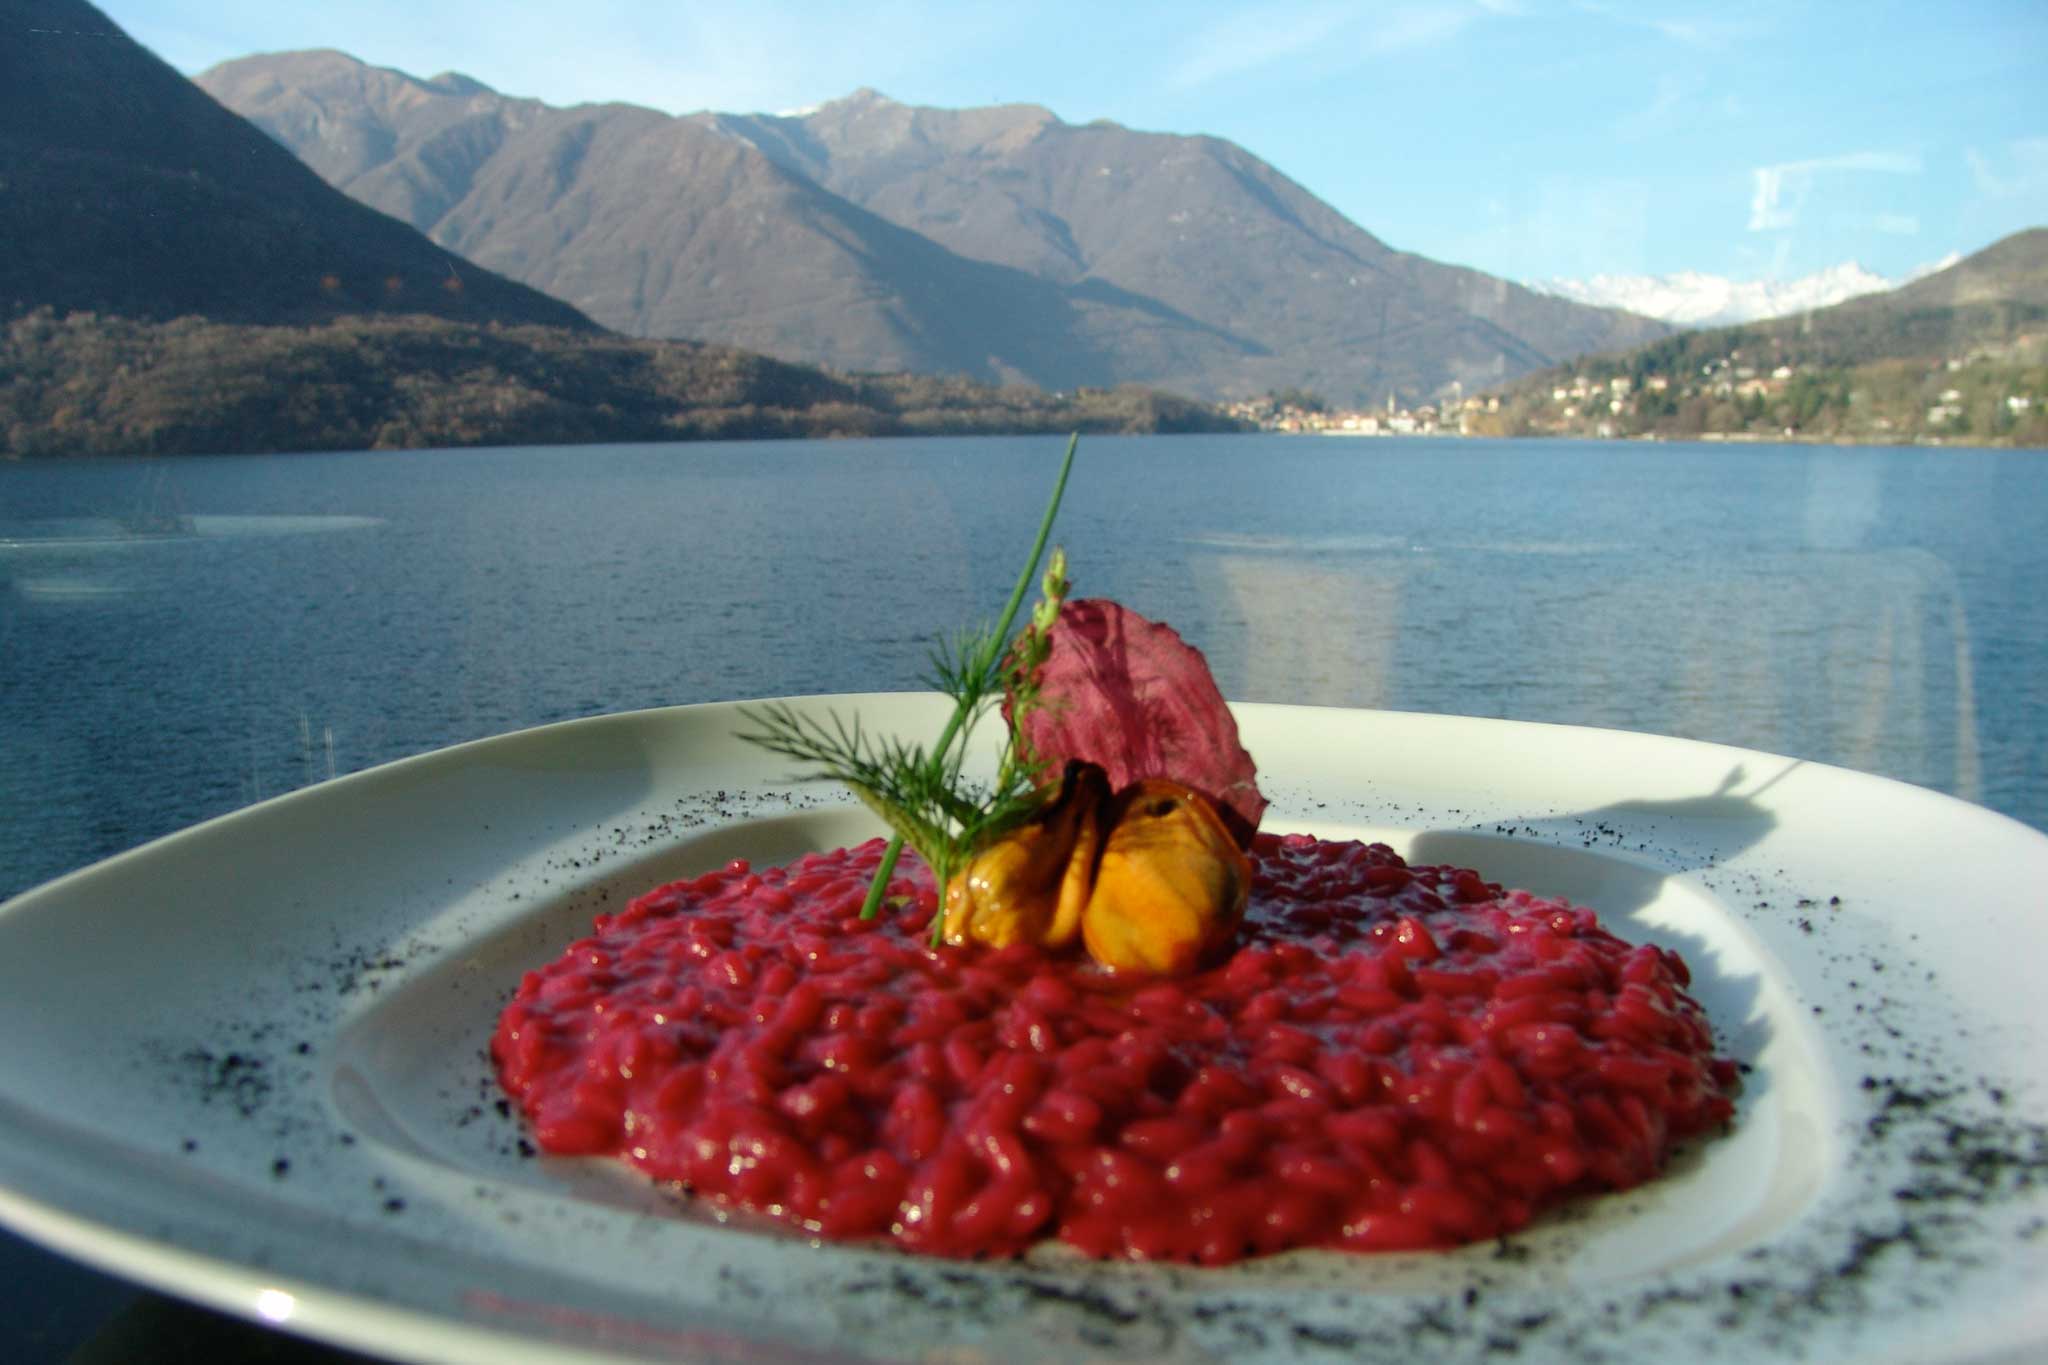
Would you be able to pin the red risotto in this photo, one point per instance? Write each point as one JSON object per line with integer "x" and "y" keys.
{"x": 1392, "y": 1057}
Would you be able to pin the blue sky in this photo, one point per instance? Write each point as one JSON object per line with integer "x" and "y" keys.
{"x": 1533, "y": 139}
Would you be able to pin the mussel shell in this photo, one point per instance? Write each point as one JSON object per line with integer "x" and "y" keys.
{"x": 1171, "y": 885}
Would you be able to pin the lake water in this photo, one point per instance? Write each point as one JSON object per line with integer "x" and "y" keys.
{"x": 1886, "y": 610}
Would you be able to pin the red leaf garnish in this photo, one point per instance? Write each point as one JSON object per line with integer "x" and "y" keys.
{"x": 1129, "y": 694}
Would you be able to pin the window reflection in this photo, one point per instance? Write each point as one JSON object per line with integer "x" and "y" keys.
{"x": 1855, "y": 654}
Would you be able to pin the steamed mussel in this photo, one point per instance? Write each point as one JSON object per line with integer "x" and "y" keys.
{"x": 1148, "y": 878}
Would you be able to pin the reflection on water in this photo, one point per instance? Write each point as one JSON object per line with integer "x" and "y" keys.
{"x": 1300, "y": 546}
{"x": 1844, "y": 498}
{"x": 1424, "y": 540}
{"x": 68, "y": 535}
{"x": 1317, "y": 633}
{"x": 1861, "y": 655}
{"x": 93, "y": 561}
{"x": 73, "y": 588}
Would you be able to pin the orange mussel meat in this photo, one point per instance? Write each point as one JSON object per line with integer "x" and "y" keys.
{"x": 1148, "y": 878}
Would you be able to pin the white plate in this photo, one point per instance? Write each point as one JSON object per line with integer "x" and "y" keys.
{"x": 246, "y": 1064}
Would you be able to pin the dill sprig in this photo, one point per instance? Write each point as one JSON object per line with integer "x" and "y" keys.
{"x": 923, "y": 794}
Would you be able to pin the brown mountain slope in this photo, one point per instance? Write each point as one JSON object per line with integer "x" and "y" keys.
{"x": 2011, "y": 270}
{"x": 663, "y": 228}
{"x": 1195, "y": 223}
{"x": 996, "y": 242}
{"x": 1988, "y": 298}
{"x": 128, "y": 191}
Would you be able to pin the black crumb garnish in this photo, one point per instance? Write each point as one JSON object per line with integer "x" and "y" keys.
{"x": 235, "y": 1078}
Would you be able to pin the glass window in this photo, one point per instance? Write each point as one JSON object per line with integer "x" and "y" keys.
{"x": 1514, "y": 333}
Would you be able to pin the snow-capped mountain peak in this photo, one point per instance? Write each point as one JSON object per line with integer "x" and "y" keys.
{"x": 1692, "y": 298}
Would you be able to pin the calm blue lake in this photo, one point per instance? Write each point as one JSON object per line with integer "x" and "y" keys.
{"x": 1886, "y": 610}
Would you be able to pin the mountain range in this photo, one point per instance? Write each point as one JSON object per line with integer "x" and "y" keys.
{"x": 1960, "y": 354}
{"x": 1992, "y": 298}
{"x": 1692, "y": 298}
{"x": 147, "y": 222}
{"x": 1000, "y": 243}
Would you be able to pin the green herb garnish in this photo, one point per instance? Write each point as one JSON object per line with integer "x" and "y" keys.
{"x": 923, "y": 794}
